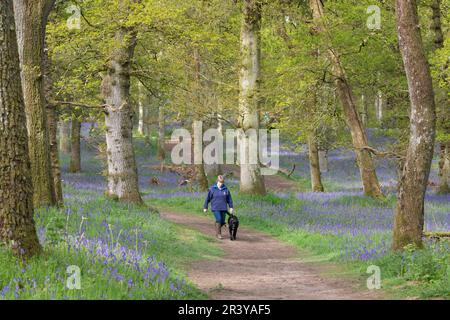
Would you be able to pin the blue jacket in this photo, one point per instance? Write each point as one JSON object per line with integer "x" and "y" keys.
{"x": 219, "y": 198}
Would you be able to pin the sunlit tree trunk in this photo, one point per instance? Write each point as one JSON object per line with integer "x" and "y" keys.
{"x": 379, "y": 105}
{"x": 251, "y": 180}
{"x": 364, "y": 113}
{"x": 369, "y": 177}
{"x": 143, "y": 127}
{"x": 75, "y": 153}
{"x": 442, "y": 99}
{"x": 122, "y": 168}
{"x": 314, "y": 166}
{"x": 161, "y": 152}
{"x": 323, "y": 160}
{"x": 409, "y": 213}
{"x": 17, "y": 227}
{"x": 31, "y": 20}
{"x": 200, "y": 175}
{"x": 64, "y": 136}
{"x": 52, "y": 127}
{"x": 54, "y": 153}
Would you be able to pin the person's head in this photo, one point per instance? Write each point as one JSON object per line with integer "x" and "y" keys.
{"x": 220, "y": 181}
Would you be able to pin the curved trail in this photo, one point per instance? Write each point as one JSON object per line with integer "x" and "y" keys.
{"x": 258, "y": 266}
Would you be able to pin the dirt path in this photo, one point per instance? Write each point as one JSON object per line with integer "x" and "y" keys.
{"x": 257, "y": 266}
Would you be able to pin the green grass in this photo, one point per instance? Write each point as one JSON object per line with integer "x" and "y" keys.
{"x": 123, "y": 228}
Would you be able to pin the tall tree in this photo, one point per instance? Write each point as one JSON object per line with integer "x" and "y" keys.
{"x": 200, "y": 174}
{"x": 314, "y": 165}
{"x": 442, "y": 99}
{"x": 122, "y": 168}
{"x": 64, "y": 136}
{"x": 17, "y": 228}
{"x": 31, "y": 19}
{"x": 251, "y": 180}
{"x": 75, "y": 149}
{"x": 409, "y": 213}
{"x": 365, "y": 162}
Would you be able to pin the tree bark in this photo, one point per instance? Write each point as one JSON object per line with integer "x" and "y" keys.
{"x": 64, "y": 136}
{"x": 366, "y": 166}
{"x": 161, "y": 152}
{"x": 75, "y": 155}
{"x": 314, "y": 166}
{"x": 444, "y": 169}
{"x": 444, "y": 155}
{"x": 323, "y": 160}
{"x": 122, "y": 169}
{"x": 143, "y": 111}
{"x": 52, "y": 132}
{"x": 409, "y": 213}
{"x": 200, "y": 175}
{"x": 379, "y": 106}
{"x": 364, "y": 113}
{"x": 31, "y": 19}
{"x": 251, "y": 180}
{"x": 17, "y": 227}
{"x": 54, "y": 154}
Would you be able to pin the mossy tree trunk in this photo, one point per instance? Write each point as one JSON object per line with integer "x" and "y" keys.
{"x": 122, "y": 169}
{"x": 31, "y": 20}
{"x": 17, "y": 227}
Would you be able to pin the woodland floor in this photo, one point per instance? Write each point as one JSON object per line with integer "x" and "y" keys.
{"x": 258, "y": 266}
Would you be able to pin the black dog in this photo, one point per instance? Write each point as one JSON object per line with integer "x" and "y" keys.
{"x": 233, "y": 225}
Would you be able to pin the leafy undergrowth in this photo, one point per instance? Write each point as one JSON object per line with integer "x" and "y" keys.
{"x": 122, "y": 252}
{"x": 352, "y": 230}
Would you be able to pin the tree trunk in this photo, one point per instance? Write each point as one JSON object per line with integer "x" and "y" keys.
{"x": 31, "y": 20}
{"x": 369, "y": 177}
{"x": 444, "y": 169}
{"x": 64, "y": 136}
{"x": 409, "y": 213}
{"x": 364, "y": 113}
{"x": 200, "y": 175}
{"x": 441, "y": 97}
{"x": 75, "y": 156}
{"x": 143, "y": 111}
{"x": 379, "y": 105}
{"x": 251, "y": 180}
{"x": 122, "y": 170}
{"x": 52, "y": 132}
{"x": 314, "y": 166}
{"x": 161, "y": 152}
{"x": 54, "y": 154}
{"x": 17, "y": 227}
{"x": 323, "y": 160}
{"x": 215, "y": 169}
